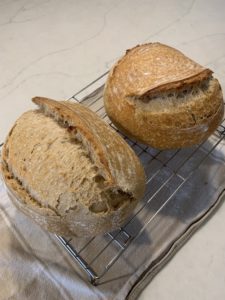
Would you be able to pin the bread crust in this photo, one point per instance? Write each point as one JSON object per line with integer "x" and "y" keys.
{"x": 108, "y": 156}
{"x": 156, "y": 69}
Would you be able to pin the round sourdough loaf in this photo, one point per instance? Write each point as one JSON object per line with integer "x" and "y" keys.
{"x": 69, "y": 171}
{"x": 160, "y": 97}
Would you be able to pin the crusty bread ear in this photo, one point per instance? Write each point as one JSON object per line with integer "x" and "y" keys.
{"x": 71, "y": 117}
{"x": 69, "y": 171}
{"x": 162, "y": 98}
{"x": 155, "y": 67}
{"x": 104, "y": 146}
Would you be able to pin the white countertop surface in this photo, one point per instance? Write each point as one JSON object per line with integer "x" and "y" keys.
{"x": 55, "y": 47}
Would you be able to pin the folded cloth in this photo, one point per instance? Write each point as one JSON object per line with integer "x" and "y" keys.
{"x": 34, "y": 265}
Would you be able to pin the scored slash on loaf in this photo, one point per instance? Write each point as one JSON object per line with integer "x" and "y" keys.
{"x": 69, "y": 171}
{"x": 160, "y": 97}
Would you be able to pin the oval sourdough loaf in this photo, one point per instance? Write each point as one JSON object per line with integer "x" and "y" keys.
{"x": 69, "y": 171}
{"x": 162, "y": 98}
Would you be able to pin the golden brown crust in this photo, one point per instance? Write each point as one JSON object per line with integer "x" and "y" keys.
{"x": 154, "y": 67}
{"x": 188, "y": 121}
{"x": 72, "y": 207}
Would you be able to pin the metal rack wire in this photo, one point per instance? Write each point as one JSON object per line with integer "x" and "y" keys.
{"x": 166, "y": 171}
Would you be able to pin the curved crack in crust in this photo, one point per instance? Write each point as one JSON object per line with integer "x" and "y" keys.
{"x": 180, "y": 93}
{"x": 63, "y": 119}
{"x": 75, "y": 135}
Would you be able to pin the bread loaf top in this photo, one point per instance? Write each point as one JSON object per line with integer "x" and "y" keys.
{"x": 160, "y": 97}
{"x": 153, "y": 68}
{"x": 65, "y": 156}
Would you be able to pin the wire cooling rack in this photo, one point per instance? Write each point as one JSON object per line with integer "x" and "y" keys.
{"x": 166, "y": 171}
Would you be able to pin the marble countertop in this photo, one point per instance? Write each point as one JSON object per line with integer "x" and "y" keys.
{"x": 55, "y": 47}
